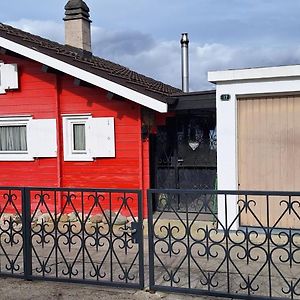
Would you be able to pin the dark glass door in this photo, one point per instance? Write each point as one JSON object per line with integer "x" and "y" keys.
{"x": 185, "y": 155}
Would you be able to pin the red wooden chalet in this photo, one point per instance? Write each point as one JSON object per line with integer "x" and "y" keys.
{"x": 71, "y": 119}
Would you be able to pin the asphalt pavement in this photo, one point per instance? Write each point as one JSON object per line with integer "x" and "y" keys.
{"x": 12, "y": 289}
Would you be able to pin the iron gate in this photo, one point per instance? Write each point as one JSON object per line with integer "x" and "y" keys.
{"x": 220, "y": 257}
{"x": 75, "y": 235}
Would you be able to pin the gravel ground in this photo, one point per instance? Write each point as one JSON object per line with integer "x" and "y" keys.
{"x": 11, "y": 289}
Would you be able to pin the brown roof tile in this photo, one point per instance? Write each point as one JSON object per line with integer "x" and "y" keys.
{"x": 90, "y": 63}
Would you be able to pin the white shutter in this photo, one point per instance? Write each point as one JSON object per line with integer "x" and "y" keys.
{"x": 8, "y": 77}
{"x": 41, "y": 138}
{"x": 102, "y": 137}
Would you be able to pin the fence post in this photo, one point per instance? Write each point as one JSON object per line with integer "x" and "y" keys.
{"x": 150, "y": 240}
{"x": 141, "y": 239}
{"x": 26, "y": 223}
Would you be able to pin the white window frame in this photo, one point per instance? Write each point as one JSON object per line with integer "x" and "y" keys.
{"x": 69, "y": 153}
{"x": 99, "y": 137}
{"x": 16, "y": 155}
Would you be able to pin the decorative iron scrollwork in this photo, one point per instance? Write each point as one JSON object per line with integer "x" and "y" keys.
{"x": 79, "y": 235}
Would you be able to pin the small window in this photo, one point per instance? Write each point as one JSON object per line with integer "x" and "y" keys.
{"x": 76, "y": 139}
{"x": 14, "y": 144}
{"x": 86, "y": 138}
{"x": 13, "y": 138}
{"x": 79, "y": 138}
{"x": 23, "y": 138}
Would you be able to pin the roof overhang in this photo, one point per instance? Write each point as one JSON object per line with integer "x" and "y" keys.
{"x": 86, "y": 76}
{"x": 266, "y": 73}
{"x": 201, "y": 100}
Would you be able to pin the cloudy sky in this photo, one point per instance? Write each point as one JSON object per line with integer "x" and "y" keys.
{"x": 144, "y": 34}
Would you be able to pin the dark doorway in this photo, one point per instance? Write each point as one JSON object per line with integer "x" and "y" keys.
{"x": 184, "y": 155}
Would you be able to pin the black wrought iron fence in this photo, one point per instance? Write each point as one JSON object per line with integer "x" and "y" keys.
{"x": 250, "y": 248}
{"x": 78, "y": 235}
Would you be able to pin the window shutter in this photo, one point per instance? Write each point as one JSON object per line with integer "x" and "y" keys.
{"x": 102, "y": 137}
{"x": 8, "y": 77}
{"x": 41, "y": 138}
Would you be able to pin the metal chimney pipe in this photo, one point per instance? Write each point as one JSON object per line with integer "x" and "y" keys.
{"x": 185, "y": 62}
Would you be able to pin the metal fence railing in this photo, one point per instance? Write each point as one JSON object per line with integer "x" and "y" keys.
{"x": 76, "y": 235}
{"x": 249, "y": 248}
{"x": 241, "y": 244}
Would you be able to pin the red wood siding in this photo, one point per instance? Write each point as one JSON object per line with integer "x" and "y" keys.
{"x": 119, "y": 172}
{"x": 44, "y": 95}
{"x": 36, "y": 97}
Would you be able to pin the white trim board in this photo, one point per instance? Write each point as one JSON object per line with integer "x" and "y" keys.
{"x": 85, "y": 75}
{"x": 286, "y": 72}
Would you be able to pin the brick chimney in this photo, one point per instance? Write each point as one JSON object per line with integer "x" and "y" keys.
{"x": 78, "y": 25}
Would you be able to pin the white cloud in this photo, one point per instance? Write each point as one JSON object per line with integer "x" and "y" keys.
{"x": 161, "y": 59}
{"x": 48, "y": 29}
